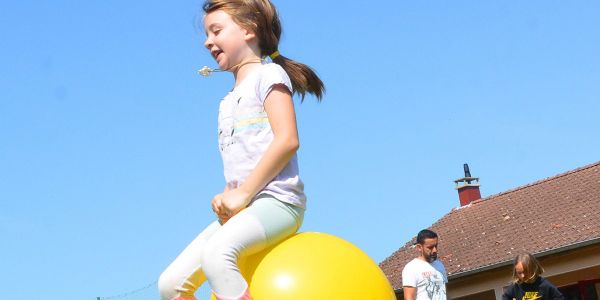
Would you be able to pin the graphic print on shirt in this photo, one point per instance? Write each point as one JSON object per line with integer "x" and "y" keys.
{"x": 532, "y": 296}
{"x": 250, "y": 118}
{"x": 433, "y": 284}
{"x": 238, "y": 116}
{"x": 225, "y": 126}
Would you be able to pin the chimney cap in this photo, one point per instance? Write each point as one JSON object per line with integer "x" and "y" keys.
{"x": 467, "y": 180}
{"x": 467, "y": 172}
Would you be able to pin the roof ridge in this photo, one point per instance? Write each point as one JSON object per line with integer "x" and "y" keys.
{"x": 537, "y": 182}
{"x": 559, "y": 175}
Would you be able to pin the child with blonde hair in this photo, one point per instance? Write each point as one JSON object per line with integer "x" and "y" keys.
{"x": 527, "y": 283}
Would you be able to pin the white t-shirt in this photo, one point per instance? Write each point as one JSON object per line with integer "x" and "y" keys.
{"x": 245, "y": 134}
{"x": 429, "y": 278}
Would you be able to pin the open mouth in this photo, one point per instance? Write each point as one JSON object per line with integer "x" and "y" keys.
{"x": 215, "y": 53}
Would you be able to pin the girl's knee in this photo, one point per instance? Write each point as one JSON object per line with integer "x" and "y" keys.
{"x": 167, "y": 286}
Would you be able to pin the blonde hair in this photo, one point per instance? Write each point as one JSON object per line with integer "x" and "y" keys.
{"x": 531, "y": 268}
{"x": 260, "y": 16}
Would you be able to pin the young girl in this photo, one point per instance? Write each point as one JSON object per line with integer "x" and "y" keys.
{"x": 263, "y": 200}
{"x": 528, "y": 282}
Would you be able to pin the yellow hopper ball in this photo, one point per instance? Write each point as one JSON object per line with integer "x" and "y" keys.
{"x": 314, "y": 266}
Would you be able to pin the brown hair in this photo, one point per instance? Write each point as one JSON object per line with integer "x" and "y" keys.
{"x": 260, "y": 16}
{"x": 531, "y": 268}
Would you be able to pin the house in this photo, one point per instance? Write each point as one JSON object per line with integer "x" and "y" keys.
{"x": 557, "y": 219}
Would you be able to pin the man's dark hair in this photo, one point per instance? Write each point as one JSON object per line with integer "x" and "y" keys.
{"x": 425, "y": 234}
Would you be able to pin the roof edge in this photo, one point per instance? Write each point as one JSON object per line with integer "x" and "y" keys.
{"x": 509, "y": 262}
{"x": 537, "y": 255}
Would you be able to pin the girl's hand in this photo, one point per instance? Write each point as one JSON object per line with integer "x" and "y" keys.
{"x": 233, "y": 201}
{"x": 217, "y": 207}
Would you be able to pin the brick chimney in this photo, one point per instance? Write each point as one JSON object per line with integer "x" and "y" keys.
{"x": 468, "y": 187}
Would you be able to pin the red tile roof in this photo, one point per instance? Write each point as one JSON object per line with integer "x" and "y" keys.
{"x": 557, "y": 212}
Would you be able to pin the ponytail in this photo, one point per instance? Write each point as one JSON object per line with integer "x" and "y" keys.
{"x": 304, "y": 79}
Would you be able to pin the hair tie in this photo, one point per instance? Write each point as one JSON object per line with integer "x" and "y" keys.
{"x": 274, "y": 54}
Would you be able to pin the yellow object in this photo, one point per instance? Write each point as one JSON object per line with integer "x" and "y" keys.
{"x": 314, "y": 266}
{"x": 274, "y": 55}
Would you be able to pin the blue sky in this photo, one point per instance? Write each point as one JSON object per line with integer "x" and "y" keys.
{"x": 108, "y": 156}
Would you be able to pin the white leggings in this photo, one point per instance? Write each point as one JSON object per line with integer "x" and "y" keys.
{"x": 214, "y": 252}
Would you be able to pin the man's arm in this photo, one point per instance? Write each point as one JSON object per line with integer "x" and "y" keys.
{"x": 409, "y": 292}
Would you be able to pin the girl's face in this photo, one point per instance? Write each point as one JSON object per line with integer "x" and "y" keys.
{"x": 522, "y": 274}
{"x": 226, "y": 40}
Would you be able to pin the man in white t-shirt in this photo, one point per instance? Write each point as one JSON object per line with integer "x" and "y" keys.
{"x": 425, "y": 278}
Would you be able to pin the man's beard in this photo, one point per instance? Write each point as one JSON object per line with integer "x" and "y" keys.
{"x": 431, "y": 257}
